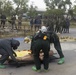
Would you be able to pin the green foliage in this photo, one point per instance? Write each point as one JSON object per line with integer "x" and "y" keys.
{"x": 74, "y": 9}
{"x": 70, "y": 12}
{"x": 21, "y": 6}
{"x": 57, "y": 7}
{"x": 7, "y": 8}
{"x": 20, "y": 2}
{"x": 68, "y": 2}
{"x": 55, "y": 12}
{"x": 32, "y": 11}
{"x": 1, "y": 3}
{"x": 52, "y": 4}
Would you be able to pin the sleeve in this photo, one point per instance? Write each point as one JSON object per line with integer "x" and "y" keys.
{"x": 56, "y": 42}
{"x": 55, "y": 37}
{"x": 34, "y": 37}
{"x": 8, "y": 48}
{"x": 32, "y": 44}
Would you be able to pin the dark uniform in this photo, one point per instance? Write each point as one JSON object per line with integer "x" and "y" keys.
{"x": 37, "y": 23}
{"x": 19, "y": 22}
{"x": 6, "y": 49}
{"x": 13, "y": 19}
{"x": 40, "y": 41}
{"x": 31, "y": 23}
{"x": 55, "y": 40}
{"x": 67, "y": 25}
{"x": 3, "y": 20}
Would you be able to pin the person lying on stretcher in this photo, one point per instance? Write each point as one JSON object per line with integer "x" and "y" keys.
{"x": 29, "y": 57}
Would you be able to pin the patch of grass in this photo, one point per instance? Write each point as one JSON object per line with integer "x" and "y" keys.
{"x": 72, "y": 24}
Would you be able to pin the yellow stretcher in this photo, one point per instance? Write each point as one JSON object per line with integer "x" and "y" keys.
{"x": 25, "y": 57}
{"x": 22, "y": 53}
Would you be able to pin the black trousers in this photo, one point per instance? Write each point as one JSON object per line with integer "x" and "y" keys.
{"x": 3, "y": 23}
{"x": 45, "y": 47}
{"x": 58, "y": 48}
{"x": 4, "y": 56}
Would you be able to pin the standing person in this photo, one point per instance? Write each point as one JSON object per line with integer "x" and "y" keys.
{"x": 40, "y": 41}
{"x": 56, "y": 27}
{"x": 3, "y": 20}
{"x": 67, "y": 25}
{"x": 55, "y": 40}
{"x": 51, "y": 24}
{"x": 13, "y": 19}
{"x": 45, "y": 19}
{"x": 19, "y": 22}
{"x": 31, "y": 23}
{"x": 6, "y": 49}
{"x": 64, "y": 26}
{"x": 37, "y": 23}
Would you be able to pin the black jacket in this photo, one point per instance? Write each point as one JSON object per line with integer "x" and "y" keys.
{"x": 9, "y": 45}
{"x": 52, "y": 38}
{"x": 37, "y": 36}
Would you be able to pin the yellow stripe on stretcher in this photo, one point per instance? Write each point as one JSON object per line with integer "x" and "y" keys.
{"x": 22, "y": 53}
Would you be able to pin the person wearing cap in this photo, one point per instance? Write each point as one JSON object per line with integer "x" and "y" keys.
{"x": 40, "y": 41}
{"x": 53, "y": 38}
{"x": 6, "y": 49}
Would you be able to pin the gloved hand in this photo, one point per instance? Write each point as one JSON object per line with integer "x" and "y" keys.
{"x": 15, "y": 54}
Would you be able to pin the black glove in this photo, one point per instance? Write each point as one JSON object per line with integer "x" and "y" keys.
{"x": 15, "y": 54}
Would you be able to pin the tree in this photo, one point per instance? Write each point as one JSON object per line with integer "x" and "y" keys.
{"x": 32, "y": 12}
{"x": 70, "y": 12}
{"x": 52, "y": 4}
{"x": 68, "y": 2}
{"x": 73, "y": 12}
{"x": 21, "y": 6}
{"x": 57, "y": 6}
{"x": 1, "y": 3}
{"x": 74, "y": 8}
{"x": 55, "y": 12}
{"x": 7, "y": 8}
